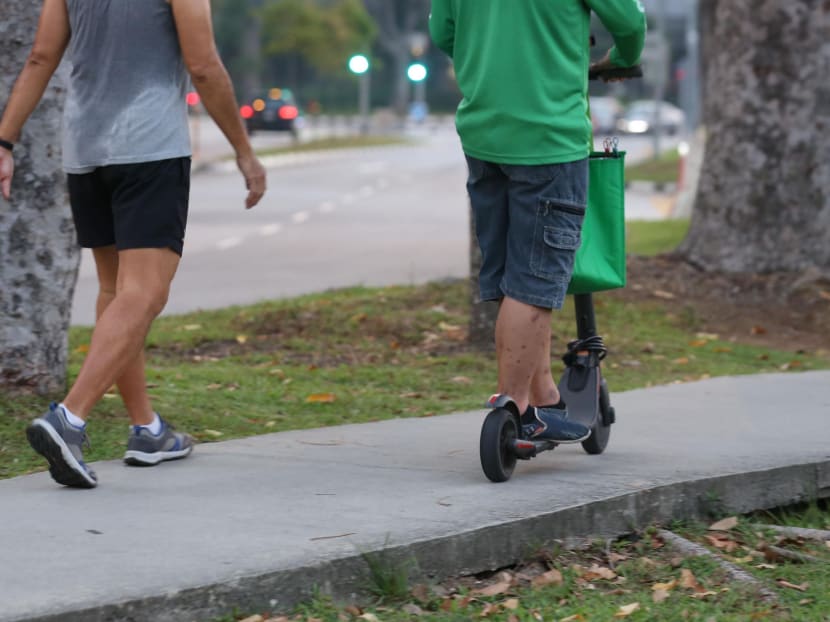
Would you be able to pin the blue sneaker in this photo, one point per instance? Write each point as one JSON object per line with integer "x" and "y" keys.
{"x": 552, "y": 424}
{"x": 62, "y": 443}
{"x": 145, "y": 449}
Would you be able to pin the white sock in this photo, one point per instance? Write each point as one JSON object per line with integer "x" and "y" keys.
{"x": 155, "y": 426}
{"x": 72, "y": 417}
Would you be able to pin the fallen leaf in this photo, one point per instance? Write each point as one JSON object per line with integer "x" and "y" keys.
{"x": 801, "y": 588}
{"x": 215, "y": 433}
{"x": 659, "y": 293}
{"x": 412, "y": 609}
{"x": 766, "y": 566}
{"x": 758, "y": 330}
{"x": 256, "y": 618}
{"x": 683, "y": 360}
{"x": 599, "y": 572}
{"x": 722, "y": 350}
{"x": 512, "y": 604}
{"x": 551, "y": 577}
{"x": 192, "y": 327}
{"x": 353, "y": 610}
{"x": 82, "y": 349}
{"x": 699, "y": 343}
{"x": 513, "y": 618}
{"x": 241, "y": 339}
{"x": 462, "y": 380}
{"x": 665, "y": 587}
{"x": 827, "y": 544}
{"x": 724, "y": 525}
{"x": 574, "y": 618}
{"x": 370, "y": 617}
{"x": 627, "y": 610}
{"x": 421, "y": 593}
{"x": 688, "y": 580}
{"x": 704, "y": 594}
{"x": 805, "y": 601}
{"x": 213, "y": 387}
{"x": 659, "y": 596}
{"x": 723, "y": 543}
{"x": 321, "y": 398}
{"x": 493, "y": 590}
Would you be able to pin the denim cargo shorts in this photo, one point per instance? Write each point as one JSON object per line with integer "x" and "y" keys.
{"x": 528, "y": 220}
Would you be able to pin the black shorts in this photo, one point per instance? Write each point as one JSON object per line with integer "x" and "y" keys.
{"x": 132, "y": 206}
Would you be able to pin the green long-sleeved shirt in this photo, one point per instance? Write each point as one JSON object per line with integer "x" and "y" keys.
{"x": 522, "y": 67}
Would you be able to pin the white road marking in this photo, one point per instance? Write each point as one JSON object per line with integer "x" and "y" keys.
{"x": 228, "y": 243}
{"x": 269, "y": 230}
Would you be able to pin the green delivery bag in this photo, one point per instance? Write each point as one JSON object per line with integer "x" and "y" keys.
{"x": 600, "y": 260}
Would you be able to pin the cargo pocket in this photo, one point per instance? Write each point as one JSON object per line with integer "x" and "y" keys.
{"x": 556, "y": 238}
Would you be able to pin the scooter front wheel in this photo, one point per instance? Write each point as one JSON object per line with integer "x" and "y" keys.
{"x": 498, "y": 434}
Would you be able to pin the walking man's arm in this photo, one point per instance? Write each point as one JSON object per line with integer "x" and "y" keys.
{"x": 626, "y": 21}
{"x": 195, "y": 32}
{"x": 442, "y": 25}
{"x": 50, "y": 43}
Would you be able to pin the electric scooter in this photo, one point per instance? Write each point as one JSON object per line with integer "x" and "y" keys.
{"x": 582, "y": 386}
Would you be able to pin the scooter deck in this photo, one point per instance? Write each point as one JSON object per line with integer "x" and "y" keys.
{"x": 579, "y": 387}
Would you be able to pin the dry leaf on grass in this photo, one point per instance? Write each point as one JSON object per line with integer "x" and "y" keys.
{"x": 665, "y": 587}
{"x": 412, "y": 609}
{"x": 321, "y": 398}
{"x": 724, "y": 525}
{"x": 551, "y": 577}
{"x": 801, "y": 588}
{"x": 688, "y": 580}
{"x": 627, "y": 610}
{"x": 256, "y": 618}
{"x": 658, "y": 596}
{"x": 578, "y": 617}
{"x": 370, "y": 617}
{"x": 421, "y": 593}
{"x": 493, "y": 590}
{"x": 511, "y": 604}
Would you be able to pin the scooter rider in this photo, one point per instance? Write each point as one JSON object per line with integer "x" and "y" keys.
{"x": 522, "y": 68}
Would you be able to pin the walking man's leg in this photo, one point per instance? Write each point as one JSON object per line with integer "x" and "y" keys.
{"x": 143, "y": 284}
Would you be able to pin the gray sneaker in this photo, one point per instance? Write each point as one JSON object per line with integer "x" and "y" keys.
{"x": 145, "y": 449}
{"x": 61, "y": 443}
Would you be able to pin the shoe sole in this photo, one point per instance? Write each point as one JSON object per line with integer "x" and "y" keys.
{"x": 141, "y": 458}
{"x": 63, "y": 466}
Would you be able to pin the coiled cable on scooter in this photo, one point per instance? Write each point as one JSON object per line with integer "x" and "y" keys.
{"x": 593, "y": 345}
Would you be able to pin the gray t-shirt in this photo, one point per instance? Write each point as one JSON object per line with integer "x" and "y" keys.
{"x": 127, "y": 88}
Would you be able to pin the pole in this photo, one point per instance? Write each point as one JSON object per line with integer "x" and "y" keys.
{"x": 365, "y": 90}
{"x": 660, "y": 86}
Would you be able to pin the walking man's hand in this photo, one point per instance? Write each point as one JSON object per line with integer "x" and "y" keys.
{"x": 255, "y": 181}
{"x": 6, "y": 172}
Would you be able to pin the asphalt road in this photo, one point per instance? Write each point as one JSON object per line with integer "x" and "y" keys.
{"x": 378, "y": 216}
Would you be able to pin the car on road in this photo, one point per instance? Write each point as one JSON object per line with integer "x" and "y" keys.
{"x": 640, "y": 117}
{"x": 605, "y": 111}
{"x": 276, "y": 110}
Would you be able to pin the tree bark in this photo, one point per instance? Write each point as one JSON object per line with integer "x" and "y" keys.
{"x": 764, "y": 197}
{"x": 38, "y": 253}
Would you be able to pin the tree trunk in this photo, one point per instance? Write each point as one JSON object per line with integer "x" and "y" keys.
{"x": 38, "y": 253}
{"x": 482, "y": 314}
{"x": 764, "y": 197}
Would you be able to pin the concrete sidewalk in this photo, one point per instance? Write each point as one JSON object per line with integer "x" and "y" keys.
{"x": 258, "y": 523}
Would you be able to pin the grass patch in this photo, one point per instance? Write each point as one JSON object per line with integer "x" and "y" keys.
{"x": 649, "y": 238}
{"x": 362, "y": 355}
{"x": 663, "y": 170}
{"x": 344, "y": 142}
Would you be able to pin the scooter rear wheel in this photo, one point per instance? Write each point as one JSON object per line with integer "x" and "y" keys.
{"x": 498, "y": 433}
{"x": 601, "y": 432}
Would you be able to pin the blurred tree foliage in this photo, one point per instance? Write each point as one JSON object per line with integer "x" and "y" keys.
{"x": 323, "y": 34}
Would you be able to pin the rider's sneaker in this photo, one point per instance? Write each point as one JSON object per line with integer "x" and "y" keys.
{"x": 146, "y": 449}
{"x": 552, "y": 424}
{"x": 61, "y": 443}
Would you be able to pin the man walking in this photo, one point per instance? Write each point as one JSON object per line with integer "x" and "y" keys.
{"x": 522, "y": 68}
{"x": 126, "y": 150}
